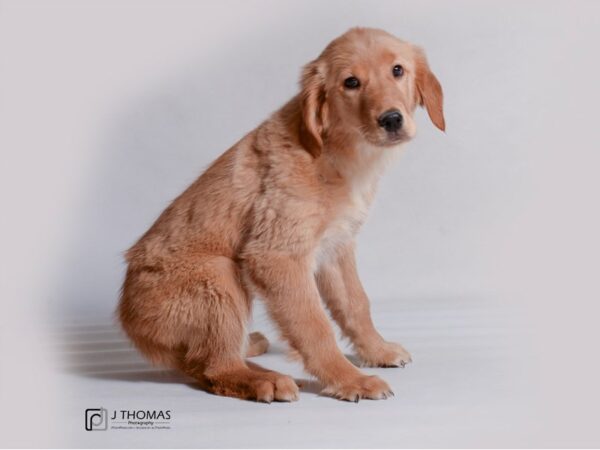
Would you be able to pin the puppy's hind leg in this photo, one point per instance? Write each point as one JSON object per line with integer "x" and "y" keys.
{"x": 193, "y": 317}
{"x": 215, "y": 346}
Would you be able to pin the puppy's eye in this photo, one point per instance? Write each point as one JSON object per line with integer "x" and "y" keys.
{"x": 398, "y": 70}
{"x": 351, "y": 83}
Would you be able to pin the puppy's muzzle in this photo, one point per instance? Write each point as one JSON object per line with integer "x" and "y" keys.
{"x": 391, "y": 120}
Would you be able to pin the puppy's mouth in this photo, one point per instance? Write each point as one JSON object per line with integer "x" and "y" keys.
{"x": 390, "y": 139}
{"x": 396, "y": 137}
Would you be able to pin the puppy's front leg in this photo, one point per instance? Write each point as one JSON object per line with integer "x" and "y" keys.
{"x": 345, "y": 297}
{"x": 293, "y": 301}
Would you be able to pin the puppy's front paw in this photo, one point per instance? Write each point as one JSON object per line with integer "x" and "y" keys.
{"x": 387, "y": 354}
{"x": 371, "y": 387}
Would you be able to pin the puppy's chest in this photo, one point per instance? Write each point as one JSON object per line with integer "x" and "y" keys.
{"x": 345, "y": 220}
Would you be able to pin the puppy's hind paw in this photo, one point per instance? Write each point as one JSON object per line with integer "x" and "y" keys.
{"x": 257, "y": 344}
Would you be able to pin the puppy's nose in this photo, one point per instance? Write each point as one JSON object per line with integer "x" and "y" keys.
{"x": 390, "y": 120}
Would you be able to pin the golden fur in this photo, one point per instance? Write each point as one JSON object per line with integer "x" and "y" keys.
{"x": 276, "y": 216}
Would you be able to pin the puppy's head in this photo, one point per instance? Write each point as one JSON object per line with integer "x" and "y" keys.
{"x": 365, "y": 86}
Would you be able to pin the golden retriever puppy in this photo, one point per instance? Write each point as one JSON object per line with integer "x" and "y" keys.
{"x": 276, "y": 216}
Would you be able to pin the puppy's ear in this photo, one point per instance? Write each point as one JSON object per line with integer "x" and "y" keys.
{"x": 314, "y": 107}
{"x": 429, "y": 91}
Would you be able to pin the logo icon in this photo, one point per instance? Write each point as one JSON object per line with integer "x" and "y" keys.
{"x": 96, "y": 419}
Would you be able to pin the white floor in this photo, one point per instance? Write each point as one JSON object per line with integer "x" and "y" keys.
{"x": 464, "y": 388}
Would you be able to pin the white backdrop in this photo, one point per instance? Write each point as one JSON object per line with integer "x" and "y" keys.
{"x": 109, "y": 110}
